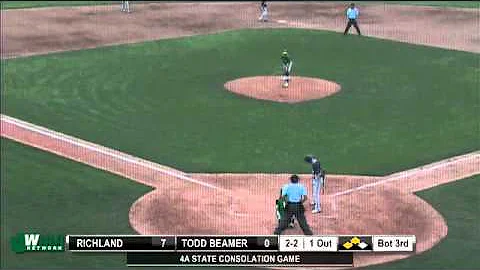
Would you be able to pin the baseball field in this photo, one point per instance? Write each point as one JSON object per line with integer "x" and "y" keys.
{"x": 171, "y": 120}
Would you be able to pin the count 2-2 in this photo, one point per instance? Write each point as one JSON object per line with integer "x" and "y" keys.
{"x": 291, "y": 243}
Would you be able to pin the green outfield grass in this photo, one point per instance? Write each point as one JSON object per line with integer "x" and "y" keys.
{"x": 457, "y": 4}
{"x": 37, "y": 4}
{"x": 458, "y": 203}
{"x": 401, "y": 105}
{"x": 49, "y": 194}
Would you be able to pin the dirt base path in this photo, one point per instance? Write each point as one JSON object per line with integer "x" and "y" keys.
{"x": 44, "y": 30}
{"x": 352, "y": 204}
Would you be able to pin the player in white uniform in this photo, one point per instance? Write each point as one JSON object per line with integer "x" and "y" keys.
{"x": 125, "y": 7}
{"x": 264, "y": 12}
{"x": 318, "y": 182}
{"x": 318, "y": 185}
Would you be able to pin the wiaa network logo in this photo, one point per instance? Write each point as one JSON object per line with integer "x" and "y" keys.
{"x": 35, "y": 242}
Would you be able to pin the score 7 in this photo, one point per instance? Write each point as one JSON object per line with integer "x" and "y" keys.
{"x": 162, "y": 242}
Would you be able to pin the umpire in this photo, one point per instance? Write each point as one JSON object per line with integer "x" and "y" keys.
{"x": 295, "y": 194}
{"x": 352, "y": 16}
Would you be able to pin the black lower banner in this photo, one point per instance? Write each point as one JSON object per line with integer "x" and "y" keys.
{"x": 281, "y": 259}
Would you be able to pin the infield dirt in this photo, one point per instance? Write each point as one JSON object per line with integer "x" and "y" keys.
{"x": 44, "y": 30}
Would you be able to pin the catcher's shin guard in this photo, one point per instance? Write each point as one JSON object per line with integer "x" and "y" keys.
{"x": 278, "y": 215}
{"x": 280, "y": 206}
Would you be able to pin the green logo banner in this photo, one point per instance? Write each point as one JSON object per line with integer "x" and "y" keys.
{"x": 30, "y": 242}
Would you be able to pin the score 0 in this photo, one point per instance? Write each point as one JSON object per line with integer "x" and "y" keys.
{"x": 266, "y": 243}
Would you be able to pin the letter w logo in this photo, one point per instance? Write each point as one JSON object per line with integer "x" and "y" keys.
{"x": 31, "y": 239}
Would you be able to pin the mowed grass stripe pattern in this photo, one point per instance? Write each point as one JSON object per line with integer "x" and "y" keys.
{"x": 400, "y": 106}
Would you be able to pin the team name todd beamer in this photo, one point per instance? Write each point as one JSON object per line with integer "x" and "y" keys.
{"x": 26, "y": 242}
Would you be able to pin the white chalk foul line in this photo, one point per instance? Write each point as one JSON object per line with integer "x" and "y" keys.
{"x": 400, "y": 175}
{"x": 99, "y": 149}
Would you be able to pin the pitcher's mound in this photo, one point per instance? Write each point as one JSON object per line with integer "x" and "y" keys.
{"x": 270, "y": 88}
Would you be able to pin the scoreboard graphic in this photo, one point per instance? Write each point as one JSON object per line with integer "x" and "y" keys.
{"x": 261, "y": 250}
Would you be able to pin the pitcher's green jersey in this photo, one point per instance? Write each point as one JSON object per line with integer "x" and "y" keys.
{"x": 286, "y": 59}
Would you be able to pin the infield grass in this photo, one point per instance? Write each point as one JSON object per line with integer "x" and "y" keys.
{"x": 458, "y": 202}
{"x": 401, "y": 105}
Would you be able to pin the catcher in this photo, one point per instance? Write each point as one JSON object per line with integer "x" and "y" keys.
{"x": 287, "y": 64}
{"x": 281, "y": 210}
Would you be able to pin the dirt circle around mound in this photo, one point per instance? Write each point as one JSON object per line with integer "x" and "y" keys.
{"x": 270, "y": 88}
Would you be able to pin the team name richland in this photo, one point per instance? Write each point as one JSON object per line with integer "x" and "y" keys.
{"x": 214, "y": 243}
{"x": 104, "y": 243}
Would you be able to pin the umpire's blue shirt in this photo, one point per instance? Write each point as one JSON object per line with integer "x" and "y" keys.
{"x": 352, "y": 13}
{"x": 294, "y": 192}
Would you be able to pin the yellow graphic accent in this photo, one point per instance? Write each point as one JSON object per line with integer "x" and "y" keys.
{"x": 347, "y": 245}
{"x": 355, "y": 240}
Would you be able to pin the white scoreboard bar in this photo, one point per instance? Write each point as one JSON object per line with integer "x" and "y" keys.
{"x": 347, "y": 243}
{"x": 397, "y": 243}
